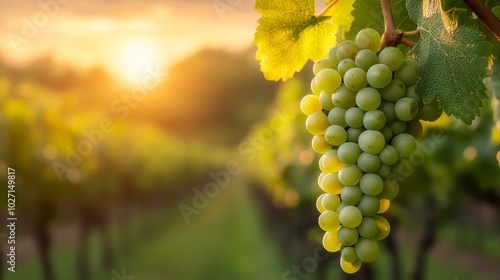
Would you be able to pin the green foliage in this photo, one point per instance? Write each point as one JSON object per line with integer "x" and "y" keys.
{"x": 452, "y": 56}
{"x": 368, "y": 14}
{"x": 289, "y": 34}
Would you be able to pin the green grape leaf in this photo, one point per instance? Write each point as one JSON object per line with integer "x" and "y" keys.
{"x": 289, "y": 34}
{"x": 452, "y": 59}
{"x": 496, "y": 11}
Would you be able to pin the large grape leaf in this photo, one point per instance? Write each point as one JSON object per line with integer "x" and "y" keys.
{"x": 452, "y": 59}
{"x": 289, "y": 34}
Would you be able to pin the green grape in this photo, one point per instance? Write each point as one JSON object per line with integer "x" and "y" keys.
{"x": 387, "y": 132}
{"x": 385, "y": 204}
{"x": 337, "y": 116}
{"x": 389, "y": 155}
{"x": 350, "y": 267}
{"x": 320, "y": 145}
{"x": 415, "y": 128}
{"x": 314, "y": 87}
{"x": 335, "y": 135}
{"x": 328, "y": 80}
{"x": 354, "y": 133}
{"x": 331, "y": 161}
{"x": 310, "y": 104}
{"x": 411, "y": 93}
{"x": 319, "y": 203}
{"x": 366, "y": 59}
{"x": 330, "y": 201}
{"x": 384, "y": 228}
{"x": 430, "y": 112}
{"x": 351, "y": 195}
{"x": 347, "y": 49}
{"x": 379, "y": 75}
{"x": 349, "y": 152}
{"x": 355, "y": 79}
{"x": 332, "y": 56}
{"x": 350, "y": 174}
{"x": 389, "y": 110}
{"x": 320, "y": 177}
{"x": 344, "y": 98}
{"x": 374, "y": 120}
{"x": 331, "y": 242}
{"x": 371, "y": 184}
{"x": 348, "y": 236}
{"x": 390, "y": 190}
{"x": 368, "y": 205}
{"x": 323, "y": 64}
{"x": 368, "y": 228}
{"x": 368, "y": 39}
{"x": 345, "y": 65}
{"x": 329, "y": 220}
{"x": 331, "y": 183}
{"x": 367, "y": 250}
{"x": 394, "y": 91}
{"x": 350, "y": 216}
{"x": 407, "y": 72}
{"x": 384, "y": 171}
{"x": 368, "y": 162}
{"x": 371, "y": 141}
{"x": 368, "y": 99}
{"x": 391, "y": 57}
{"x": 349, "y": 254}
{"x": 406, "y": 109}
{"x": 317, "y": 123}
{"x": 325, "y": 99}
{"x": 405, "y": 144}
{"x": 354, "y": 117}
{"x": 397, "y": 127}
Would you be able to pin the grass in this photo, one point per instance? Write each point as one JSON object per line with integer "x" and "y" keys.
{"x": 226, "y": 241}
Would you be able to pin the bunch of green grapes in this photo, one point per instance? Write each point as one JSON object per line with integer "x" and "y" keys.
{"x": 365, "y": 116}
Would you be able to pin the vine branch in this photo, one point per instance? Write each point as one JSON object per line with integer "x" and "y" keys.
{"x": 486, "y": 16}
{"x": 327, "y": 7}
{"x": 393, "y": 36}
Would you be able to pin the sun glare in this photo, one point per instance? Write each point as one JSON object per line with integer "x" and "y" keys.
{"x": 136, "y": 60}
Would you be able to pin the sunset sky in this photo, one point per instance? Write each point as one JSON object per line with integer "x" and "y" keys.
{"x": 122, "y": 35}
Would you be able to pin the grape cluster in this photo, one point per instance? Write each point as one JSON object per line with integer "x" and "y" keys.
{"x": 365, "y": 115}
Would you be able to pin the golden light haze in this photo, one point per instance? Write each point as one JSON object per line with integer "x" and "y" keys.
{"x": 123, "y": 36}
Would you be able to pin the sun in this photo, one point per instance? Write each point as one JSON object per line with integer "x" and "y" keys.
{"x": 136, "y": 60}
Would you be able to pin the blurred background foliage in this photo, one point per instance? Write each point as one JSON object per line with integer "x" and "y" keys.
{"x": 99, "y": 191}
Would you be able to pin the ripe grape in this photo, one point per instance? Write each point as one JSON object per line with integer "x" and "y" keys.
{"x": 350, "y": 216}
{"x": 368, "y": 99}
{"x": 345, "y": 65}
{"x": 368, "y": 39}
{"x": 367, "y": 250}
{"x": 347, "y": 49}
{"x": 379, "y": 75}
{"x": 354, "y": 117}
{"x": 328, "y": 80}
{"x": 348, "y": 236}
{"x": 323, "y": 64}
{"x": 391, "y": 57}
{"x": 310, "y": 104}
{"x": 355, "y": 79}
{"x": 349, "y": 254}
{"x": 344, "y": 98}
{"x": 317, "y": 123}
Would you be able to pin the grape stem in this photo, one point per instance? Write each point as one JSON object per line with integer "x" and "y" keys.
{"x": 327, "y": 7}
{"x": 486, "y": 16}
{"x": 393, "y": 36}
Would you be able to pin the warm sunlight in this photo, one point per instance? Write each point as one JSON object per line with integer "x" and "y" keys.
{"x": 135, "y": 59}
